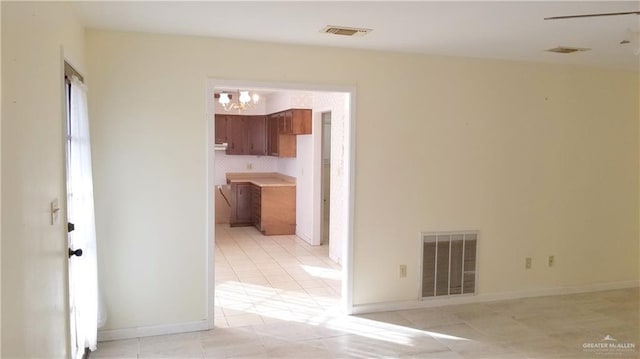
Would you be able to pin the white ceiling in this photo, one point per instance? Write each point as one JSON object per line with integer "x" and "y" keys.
{"x": 513, "y": 30}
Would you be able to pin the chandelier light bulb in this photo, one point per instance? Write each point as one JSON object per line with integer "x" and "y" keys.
{"x": 224, "y": 98}
{"x": 243, "y": 101}
{"x": 244, "y": 97}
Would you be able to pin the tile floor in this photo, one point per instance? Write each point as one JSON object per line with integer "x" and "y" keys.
{"x": 276, "y": 298}
{"x": 264, "y": 278}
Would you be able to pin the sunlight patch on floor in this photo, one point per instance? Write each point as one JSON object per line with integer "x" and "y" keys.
{"x": 296, "y": 307}
{"x": 321, "y": 272}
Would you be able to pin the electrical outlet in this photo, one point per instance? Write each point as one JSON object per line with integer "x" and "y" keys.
{"x": 527, "y": 263}
{"x": 403, "y": 271}
{"x": 551, "y": 261}
{"x": 249, "y": 166}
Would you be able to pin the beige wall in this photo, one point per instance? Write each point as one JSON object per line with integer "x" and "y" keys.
{"x": 0, "y": 197}
{"x": 541, "y": 159}
{"x": 34, "y": 299}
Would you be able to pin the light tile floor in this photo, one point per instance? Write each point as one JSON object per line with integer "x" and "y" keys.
{"x": 260, "y": 279}
{"x": 277, "y": 298}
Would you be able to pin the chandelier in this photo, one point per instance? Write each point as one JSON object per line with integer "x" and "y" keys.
{"x": 244, "y": 100}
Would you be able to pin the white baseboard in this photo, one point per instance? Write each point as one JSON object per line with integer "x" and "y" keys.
{"x": 304, "y": 237}
{"x": 137, "y": 332}
{"x": 466, "y": 299}
{"x": 129, "y": 333}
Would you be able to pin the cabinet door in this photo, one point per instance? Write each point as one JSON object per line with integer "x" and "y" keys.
{"x": 220, "y": 129}
{"x": 237, "y": 135}
{"x": 243, "y": 203}
{"x": 257, "y": 126}
{"x": 256, "y": 205}
{"x": 278, "y": 210}
{"x": 287, "y": 122}
{"x": 301, "y": 121}
{"x": 272, "y": 130}
{"x": 287, "y": 145}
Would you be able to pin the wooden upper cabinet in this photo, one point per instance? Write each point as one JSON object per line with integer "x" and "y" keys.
{"x": 287, "y": 145}
{"x": 221, "y": 129}
{"x": 300, "y": 121}
{"x": 237, "y": 135}
{"x": 280, "y": 143}
{"x": 257, "y": 135}
{"x": 272, "y": 135}
{"x": 286, "y": 122}
{"x": 295, "y": 122}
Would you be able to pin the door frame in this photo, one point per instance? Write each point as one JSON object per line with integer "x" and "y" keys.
{"x": 321, "y": 230}
{"x": 349, "y": 179}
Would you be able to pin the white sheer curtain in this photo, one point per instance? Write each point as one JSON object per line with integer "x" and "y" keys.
{"x": 82, "y": 270}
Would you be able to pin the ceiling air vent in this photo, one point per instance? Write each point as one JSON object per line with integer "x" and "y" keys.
{"x": 567, "y": 50}
{"x": 346, "y": 31}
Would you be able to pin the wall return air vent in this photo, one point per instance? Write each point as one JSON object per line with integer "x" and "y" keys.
{"x": 449, "y": 264}
{"x": 345, "y": 31}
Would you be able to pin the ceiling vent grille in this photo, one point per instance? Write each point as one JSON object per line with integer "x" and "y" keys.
{"x": 567, "y": 50}
{"x": 345, "y": 31}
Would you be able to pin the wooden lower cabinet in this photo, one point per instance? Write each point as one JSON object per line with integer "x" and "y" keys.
{"x": 277, "y": 210}
{"x": 256, "y": 205}
{"x": 241, "y": 204}
{"x": 272, "y": 209}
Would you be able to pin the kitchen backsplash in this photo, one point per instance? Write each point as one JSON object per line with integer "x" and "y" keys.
{"x": 288, "y": 166}
{"x": 225, "y": 163}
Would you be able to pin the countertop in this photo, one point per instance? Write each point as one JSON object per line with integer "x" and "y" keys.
{"x": 261, "y": 179}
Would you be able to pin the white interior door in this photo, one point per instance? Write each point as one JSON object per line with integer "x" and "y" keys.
{"x": 75, "y": 349}
{"x": 83, "y": 292}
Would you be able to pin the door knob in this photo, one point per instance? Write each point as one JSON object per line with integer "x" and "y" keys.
{"x": 77, "y": 252}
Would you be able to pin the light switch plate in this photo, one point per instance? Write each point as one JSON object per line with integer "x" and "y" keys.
{"x": 403, "y": 271}
{"x": 55, "y": 210}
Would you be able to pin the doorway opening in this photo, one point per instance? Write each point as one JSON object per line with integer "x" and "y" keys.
{"x": 258, "y": 276}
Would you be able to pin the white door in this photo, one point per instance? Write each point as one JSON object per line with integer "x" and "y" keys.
{"x": 82, "y": 265}
{"x": 76, "y": 350}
